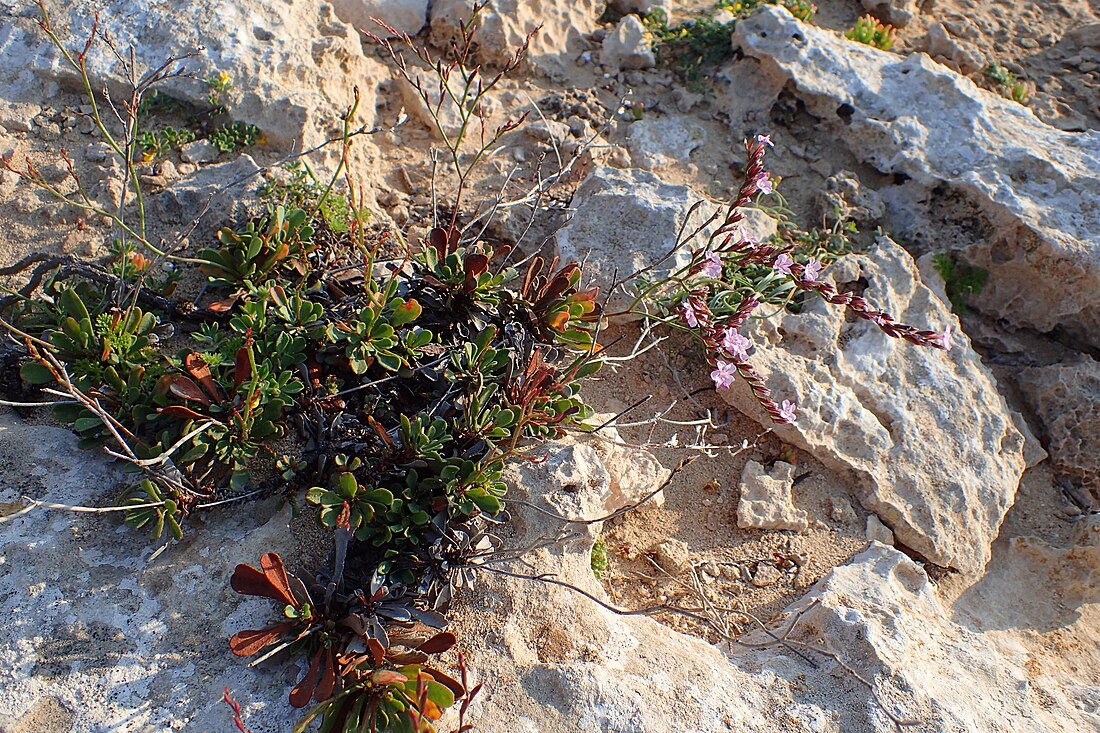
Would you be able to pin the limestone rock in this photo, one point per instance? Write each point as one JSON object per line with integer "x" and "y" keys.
{"x": 199, "y": 151}
{"x": 1036, "y": 185}
{"x": 766, "y": 501}
{"x": 229, "y": 189}
{"x": 752, "y": 92}
{"x": 293, "y": 63}
{"x": 674, "y": 556}
{"x": 107, "y": 629}
{"x": 892, "y": 413}
{"x": 899, "y": 13}
{"x": 562, "y": 663}
{"x": 846, "y": 197}
{"x": 640, "y": 7}
{"x": 503, "y": 26}
{"x": 878, "y": 532}
{"x": 955, "y": 52}
{"x": 659, "y": 141}
{"x": 628, "y": 46}
{"x": 406, "y": 16}
{"x": 628, "y": 219}
{"x": 1066, "y": 397}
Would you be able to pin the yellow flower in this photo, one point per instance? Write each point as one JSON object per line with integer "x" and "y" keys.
{"x": 224, "y": 78}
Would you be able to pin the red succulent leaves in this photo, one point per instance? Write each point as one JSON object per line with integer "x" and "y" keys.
{"x": 271, "y": 582}
{"x": 319, "y": 681}
{"x": 251, "y": 641}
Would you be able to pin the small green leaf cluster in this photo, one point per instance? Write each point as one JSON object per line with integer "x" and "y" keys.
{"x": 1007, "y": 83}
{"x": 962, "y": 281}
{"x": 868, "y": 30}
{"x": 299, "y": 187}
{"x": 280, "y": 240}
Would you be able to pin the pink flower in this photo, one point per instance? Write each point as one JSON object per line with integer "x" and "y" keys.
{"x": 786, "y": 411}
{"x": 946, "y": 339}
{"x": 736, "y": 345}
{"x": 765, "y": 139}
{"x": 747, "y": 237}
{"x": 689, "y": 314}
{"x": 723, "y": 374}
{"x": 764, "y": 183}
{"x": 811, "y": 270}
{"x": 712, "y": 266}
{"x": 783, "y": 264}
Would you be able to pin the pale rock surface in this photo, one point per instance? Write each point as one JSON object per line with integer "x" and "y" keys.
{"x": 766, "y": 501}
{"x": 503, "y": 26}
{"x": 406, "y": 16}
{"x": 877, "y": 531}
{"x": 106, "y": 630}
{"x": 752, "y": 92}
{"x": 561, "y": 663}
{"x": 1035, "y": 184}
{"x": 659, "y": 141}
{"x": 673, "y": 555}
{"x": 293, "y": 63}
{"x": 628, "y": 46}
{"x": 628, "y": 219}
{"x": 898, "y": 13}
{"x": 199, "y": 151}
{"x": 845, "y": 195}
{"x": 439, "y": 110}
{"x": 229, "y": 189}
{"x": 955, "y": 52}
{"x": 1066, "y": 397}
{"x": 891, "y": 412}
{"x": 103, "y": 633}
{"x": 640, "y": 7}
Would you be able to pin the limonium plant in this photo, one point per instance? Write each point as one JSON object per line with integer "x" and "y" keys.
{"x": 732, "y": 274}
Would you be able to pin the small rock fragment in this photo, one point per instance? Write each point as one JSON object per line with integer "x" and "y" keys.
{"x": 628, "y": 47}
{"x": 766, "y": 574}
{"x": 766, "y": 501}
{"x": 840, "y": 510}
{"x": 674, "y": 556}
{"x": 199, "y": 151}
{"x": 878, "y": 532}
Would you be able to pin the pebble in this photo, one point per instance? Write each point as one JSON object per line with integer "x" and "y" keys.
{"x": 766, "y": 574}
{"x": 97, "y": 152}
{"x": 199, "y": 151}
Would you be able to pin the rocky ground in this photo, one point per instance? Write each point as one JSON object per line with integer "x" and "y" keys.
{"x": 922, "y": 545}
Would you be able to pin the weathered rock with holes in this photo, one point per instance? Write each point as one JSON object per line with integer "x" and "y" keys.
{"x": 109, "y": 631}
{"x": 766, "y": 502}
{"x": 625, "y": 220}
{"x": 1036, "y": 185}
{"x": 658, "y": 141}
{"x": 1066, "y": 397}
{"x": 893, "y": 413}
{"x": 503, "y": 26}
{"x": 898, "y": 13}
{"x": 628, "y": 46}
{"x": 405, "y": 16}
{"x": 559, "y": 662}
{"x": 293, "y": 63}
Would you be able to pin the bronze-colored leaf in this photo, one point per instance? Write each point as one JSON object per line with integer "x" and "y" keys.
{"x": 249, "y": 642}
{"x": 242, "y": 367}
{"x": 447, "y": 681}
{"x": 303, "y": 691}
{"x": 186, "y": 389}
{"x": 377, "y": 651}
{"x": 249, "y": 581}
{"x": 274, "y": 571}
{"x": 327, "y": 681}
{"x": 197, "y": 367}
{"x": 439, "y": 643}
{"x": 180, "y": 411}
